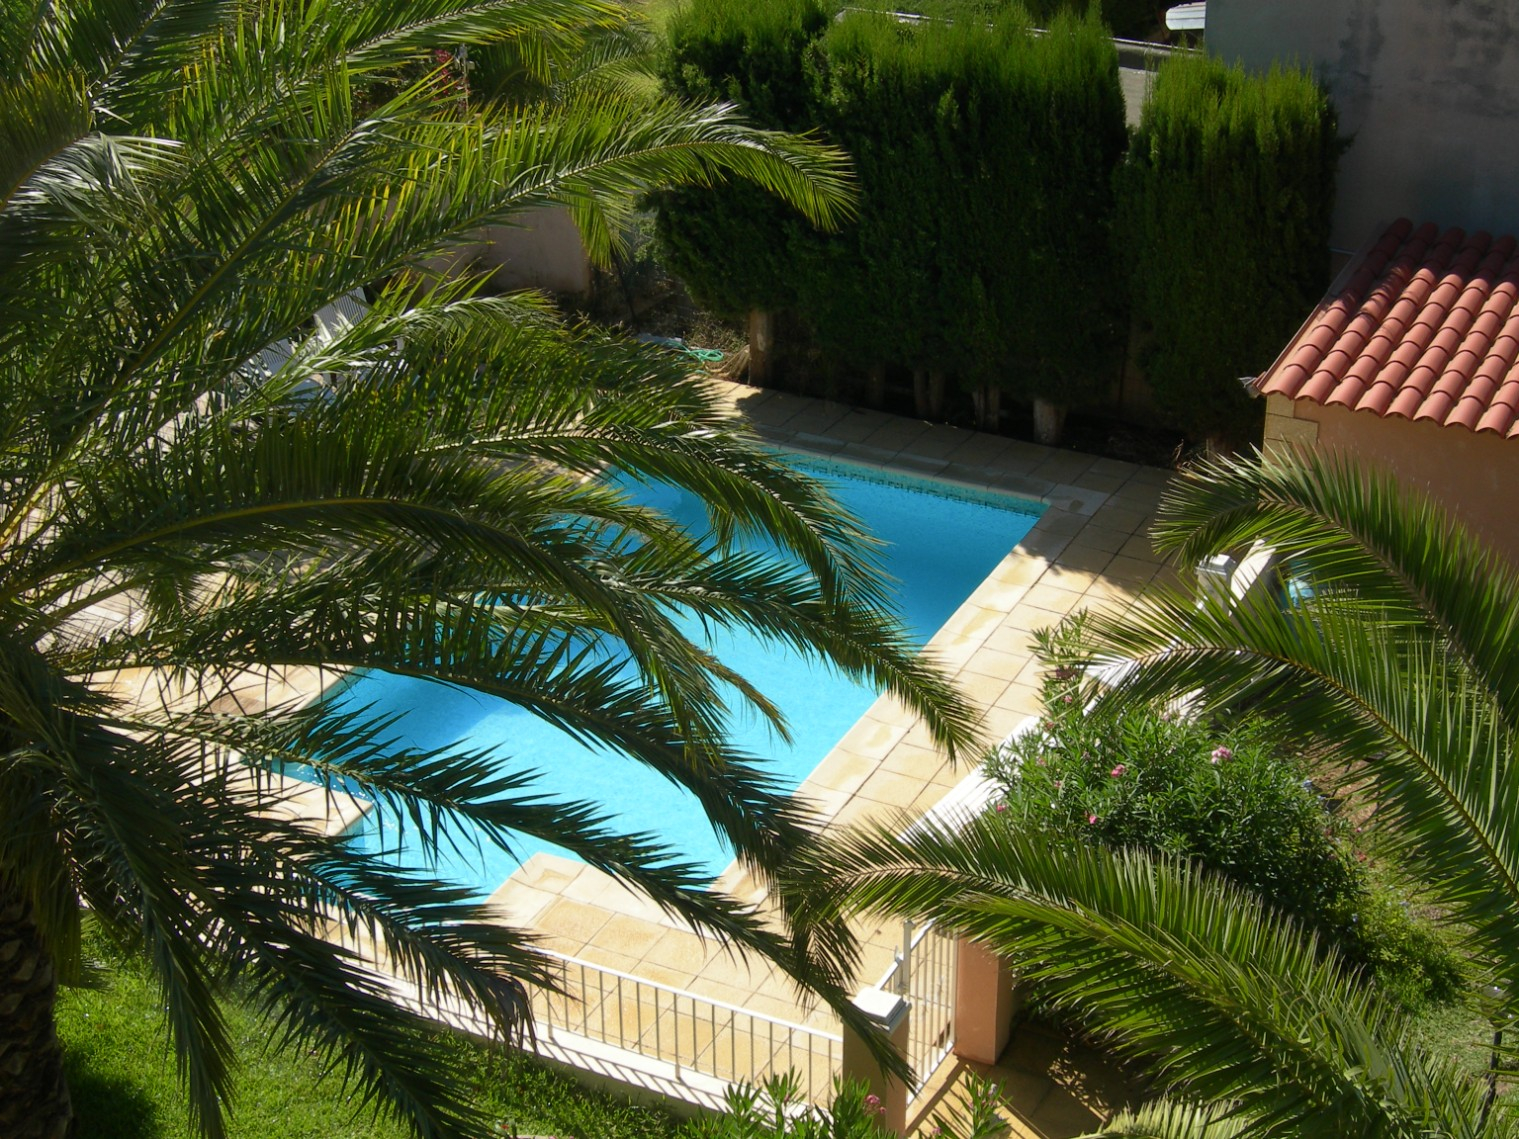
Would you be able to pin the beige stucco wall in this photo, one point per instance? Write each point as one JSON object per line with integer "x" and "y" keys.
{"x": 1429, "y": 89}
{"x": 1475, "y": 476}
{"x": 542, "y": 250}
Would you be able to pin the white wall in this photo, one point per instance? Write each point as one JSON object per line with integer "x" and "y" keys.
{"x": 1428, "y": 88}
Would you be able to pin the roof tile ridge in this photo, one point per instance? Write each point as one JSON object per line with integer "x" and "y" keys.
{"x": 1361, "y": 311}
{"x": 1290, "y": 371}
{"x": 1395, "y": 258}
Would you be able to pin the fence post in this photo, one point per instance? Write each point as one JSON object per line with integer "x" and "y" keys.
{"x": 889, "y": 1012}
{"x": 986, "y": 1000}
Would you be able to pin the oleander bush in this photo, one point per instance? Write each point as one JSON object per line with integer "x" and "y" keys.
{"x": 1228, "y": 796}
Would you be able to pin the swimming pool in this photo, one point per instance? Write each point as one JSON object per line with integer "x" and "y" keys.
{"x": 941, "y": 542}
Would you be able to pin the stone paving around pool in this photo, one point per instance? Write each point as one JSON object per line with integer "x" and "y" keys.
{"x": 1088, "y": 549}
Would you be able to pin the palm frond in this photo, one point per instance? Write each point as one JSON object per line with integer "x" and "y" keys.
{"x": 1227, "y": 1002}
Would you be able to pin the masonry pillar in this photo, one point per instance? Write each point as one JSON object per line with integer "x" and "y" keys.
{"x": 889, "y": 1012}
{"x": 986, "y": 1000}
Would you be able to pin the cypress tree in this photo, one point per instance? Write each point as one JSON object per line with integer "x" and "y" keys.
{"x": 1225, "y": 199}
{"x": 731, "y": 243}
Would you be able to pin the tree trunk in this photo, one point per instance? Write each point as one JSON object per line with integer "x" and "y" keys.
{"x": 761, "y": 346}
{"x": 1049, "y": 421}
{"x": 34, "y": 1098}
{"x": 928, "y": 393}
{"x": 988, "y": 401}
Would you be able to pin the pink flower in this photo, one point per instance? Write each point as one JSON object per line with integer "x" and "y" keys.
{"x": 1091, "y": 820}
{"x": 873, "y": 1103}
{"x": 1039, "y": 762}
{"x": 1059, "y": 783}
{"x": 1001, "y": 807}
{"x": 1068, "y": 698}
{"x": 1222, "y": 753}
{"x": 1117, "y": 771}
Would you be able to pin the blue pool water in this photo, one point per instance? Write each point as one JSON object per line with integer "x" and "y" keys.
{"x": 941, "y": 542}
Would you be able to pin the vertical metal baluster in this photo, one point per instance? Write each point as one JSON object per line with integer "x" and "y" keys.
{"x": 585, "y": 1011}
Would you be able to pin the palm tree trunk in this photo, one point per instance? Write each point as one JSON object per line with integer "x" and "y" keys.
{"x": 34, "y": 1097}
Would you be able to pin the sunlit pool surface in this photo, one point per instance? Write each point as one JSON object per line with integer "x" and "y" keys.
{"x": 941, "y": 542}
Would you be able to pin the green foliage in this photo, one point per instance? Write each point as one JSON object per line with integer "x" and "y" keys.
{"x": 729, "y": 242}
{"x": 1401, "y": 667}
{"x": 1225, "y": 202}
{"x": 777, "y": 1111}
{"x": 409, "y": 490}
{"x": 984, "y": 157}
{"x": 1130, "y": 19}
{"x": 121, "y": 1073}
{"x": 1228, "y": 796}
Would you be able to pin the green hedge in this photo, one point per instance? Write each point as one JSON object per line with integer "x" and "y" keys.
{"x": 994, "y": 242}
{"x": 731, "y": 243}
{"x": 1225, "y": 199}
{"x": 984, "y": 156}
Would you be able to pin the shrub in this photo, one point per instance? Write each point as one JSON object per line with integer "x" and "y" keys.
{"x": 1131, "y": 19}
{"x": 777, "y": 1111}
{"x": 1228, "y": 797}
{"x": 1225, "y": 201}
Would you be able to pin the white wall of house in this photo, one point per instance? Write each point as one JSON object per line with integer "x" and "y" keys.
{"x": 1429, "y": 90}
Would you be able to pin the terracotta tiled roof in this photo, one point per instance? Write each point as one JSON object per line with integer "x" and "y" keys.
{"x": 1426, "y": 327}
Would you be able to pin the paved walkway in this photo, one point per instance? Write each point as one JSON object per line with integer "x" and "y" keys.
{"x": 1088, "y": 549}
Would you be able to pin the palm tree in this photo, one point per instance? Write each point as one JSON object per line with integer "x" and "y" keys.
{"x": 1402, "y": 659}
{"x": 183, "y": 184}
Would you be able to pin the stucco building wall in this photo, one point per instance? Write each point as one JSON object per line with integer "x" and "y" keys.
{"x": 542, "y": 250}
{"x": 1476, "y": 476}
{"x": 1429, "y": 89}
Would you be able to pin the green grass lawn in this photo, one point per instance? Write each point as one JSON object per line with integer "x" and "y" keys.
{"x": 122, "y": 1075}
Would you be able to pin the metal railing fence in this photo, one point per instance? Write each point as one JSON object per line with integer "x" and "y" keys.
{"x": 924, "y": 973}
{"x": 691, "y": 1032}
